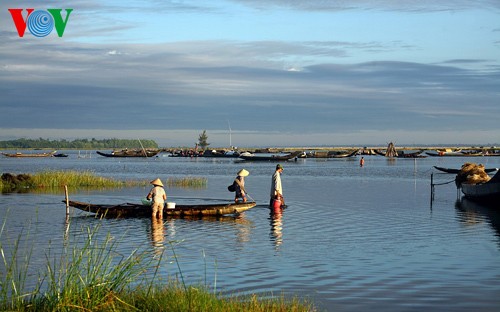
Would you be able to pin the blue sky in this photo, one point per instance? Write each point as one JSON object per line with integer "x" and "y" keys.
{"x": 279, "y": 73}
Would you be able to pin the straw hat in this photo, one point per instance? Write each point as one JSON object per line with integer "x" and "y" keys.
{"x": 243, "y": 173}
{"x": 157, "y": 182}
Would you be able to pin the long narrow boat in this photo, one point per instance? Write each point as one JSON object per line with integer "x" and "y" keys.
{"x": 140, "y": 210}
{"x": 332, "y": 155}
{"x": 22, "y": 155}
{"x": 130, "y": 153}
{"x": 254, "y": 157}
{"x": 455, "y": 171}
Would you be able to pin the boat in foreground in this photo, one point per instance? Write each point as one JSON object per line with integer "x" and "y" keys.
{"x": 140, "y": 210}
{"x": 488, "y": 192}
{"x": 455, "y": 171}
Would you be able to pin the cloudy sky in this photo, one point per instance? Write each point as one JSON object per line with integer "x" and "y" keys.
{"x": 275, "y": 72}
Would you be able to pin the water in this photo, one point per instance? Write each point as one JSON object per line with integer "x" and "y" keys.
{"x": 351, "y": 239}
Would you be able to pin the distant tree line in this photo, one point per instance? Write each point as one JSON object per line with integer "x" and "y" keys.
{"x": 78, "y": 143}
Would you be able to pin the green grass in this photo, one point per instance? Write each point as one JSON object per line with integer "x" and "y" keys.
{"x": 54, "y": 179}
{"x": 88, "y": 274}
{"x": 187, "y": 182}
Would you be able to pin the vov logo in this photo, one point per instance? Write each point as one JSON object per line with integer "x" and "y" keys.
{"x": 40, "y": 23}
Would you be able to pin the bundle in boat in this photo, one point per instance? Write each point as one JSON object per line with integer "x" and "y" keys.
{"x": 472, "y": 173}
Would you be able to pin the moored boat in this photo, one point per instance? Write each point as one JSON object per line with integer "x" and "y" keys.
{"x": 21, "y": 155}
{"x": 141, "y": 210}
{"x": 345, "y": 154}
{"x": 130, "y": 153}
{"x": 478, "y": 186}
{"x": 255, "y": 157}
{"x": 455, "y": 171}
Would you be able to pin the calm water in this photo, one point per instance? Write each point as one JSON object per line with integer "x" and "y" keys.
{"x": 352, "y": 238}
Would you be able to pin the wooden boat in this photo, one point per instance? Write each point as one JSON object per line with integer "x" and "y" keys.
{"x": 130, "y": 153}
{"x": 140, "y": 210}
{"x": 60, "y": 155}
{"x": 455, "y": 171}
{"x": 453, "y": 154}
{"x": 21, "y": 155}
{"x": 220, "y": 154}
{"x": 488, "y": 192}
{"x": 332, "y": 154}
{"x": 254, "y": 157}
{"x": 402, "y": 154}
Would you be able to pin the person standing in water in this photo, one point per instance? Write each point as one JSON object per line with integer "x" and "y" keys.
{"x": 239, "y": 186}
{"x": 276, "y": 189}
{"x": 159, "y": 197}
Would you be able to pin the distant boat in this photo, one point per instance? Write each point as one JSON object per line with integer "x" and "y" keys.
{"x": 332, "y": 154}
{"x": 130, "y": 153}
{"x": 60, "y": 155}
{"x": 254, "y": 157}
{"x": 22, "y": 155}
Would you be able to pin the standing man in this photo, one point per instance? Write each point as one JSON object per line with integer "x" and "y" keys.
{"x": 276, "y": 189}
{"x": 159, "y": 197}
{"x": 362, "y": 162}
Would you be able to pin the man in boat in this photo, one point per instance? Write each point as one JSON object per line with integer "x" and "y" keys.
{"x": 159, "y": 197}
{"x": 276, "y": 189}
{"x": 239, "y": 186}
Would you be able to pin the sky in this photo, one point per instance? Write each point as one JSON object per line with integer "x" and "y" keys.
{"x": 256, "y": 73}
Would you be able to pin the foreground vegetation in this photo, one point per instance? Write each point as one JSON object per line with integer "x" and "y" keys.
{"x": 57, "y": 178}
{"x": 51, "y": 179}
{"x": 78, "y": 143}
{"x": 89, "y": 274}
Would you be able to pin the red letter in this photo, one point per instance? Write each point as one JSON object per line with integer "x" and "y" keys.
{"x": 20, "y": 23}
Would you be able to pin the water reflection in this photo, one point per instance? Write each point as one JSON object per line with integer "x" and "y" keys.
{"x": 157, "y": 235}
{"x": 472, "y": 213}
{"x": 276, "y": 226}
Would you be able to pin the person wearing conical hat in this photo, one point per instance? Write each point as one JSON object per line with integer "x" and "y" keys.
{"x": 159, "y": 197}
{"x": 239, "y": 186}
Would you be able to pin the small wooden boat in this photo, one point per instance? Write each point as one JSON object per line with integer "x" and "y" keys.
{"x": 22, "y": 155}
{"x": 130, "y": 153}
{"x": 140, "y": 210}
{"x": 60, "y": 155}
{"x": 401, "y": 154}
{"x": 488, "y": 192}
{"x": 455, "y": 171}
{"x": 332, "y": 154}
{"x": 253, "y": 157}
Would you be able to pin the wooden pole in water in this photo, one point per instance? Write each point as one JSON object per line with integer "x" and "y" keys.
{"x": 67, "y": 199}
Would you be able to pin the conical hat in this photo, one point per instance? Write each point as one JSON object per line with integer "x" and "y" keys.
{"x": 243, "y": 173}
{"x": 157, "y": 182}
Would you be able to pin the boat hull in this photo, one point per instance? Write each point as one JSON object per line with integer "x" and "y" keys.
{"x": 139, "y": 210}
{"x": 141, "y": 153}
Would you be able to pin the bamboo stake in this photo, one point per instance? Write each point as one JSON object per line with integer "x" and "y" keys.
{"x": 67, "y": 199}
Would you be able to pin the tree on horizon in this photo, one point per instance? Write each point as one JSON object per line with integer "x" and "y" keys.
{"x": 202, "y": 140}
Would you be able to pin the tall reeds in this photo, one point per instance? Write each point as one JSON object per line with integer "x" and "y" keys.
{"x": 89, "y": 274}
{"x": 187, "y": 182}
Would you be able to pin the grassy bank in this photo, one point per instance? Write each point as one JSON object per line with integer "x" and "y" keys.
{"x": 53, "y": 179}
{"x": 90, "y": 274}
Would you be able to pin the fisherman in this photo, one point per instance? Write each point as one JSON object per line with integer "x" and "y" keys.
{"x": 276, "y": 189}
{"x": 362, "y": 162}
{"x": 239, "y": 186}
{"x": 159, "y": 197}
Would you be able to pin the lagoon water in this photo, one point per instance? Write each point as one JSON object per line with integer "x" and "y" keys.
{"x": 351, "y": 239}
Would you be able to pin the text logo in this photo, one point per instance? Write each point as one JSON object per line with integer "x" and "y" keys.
{"x": 40, "y": 23}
